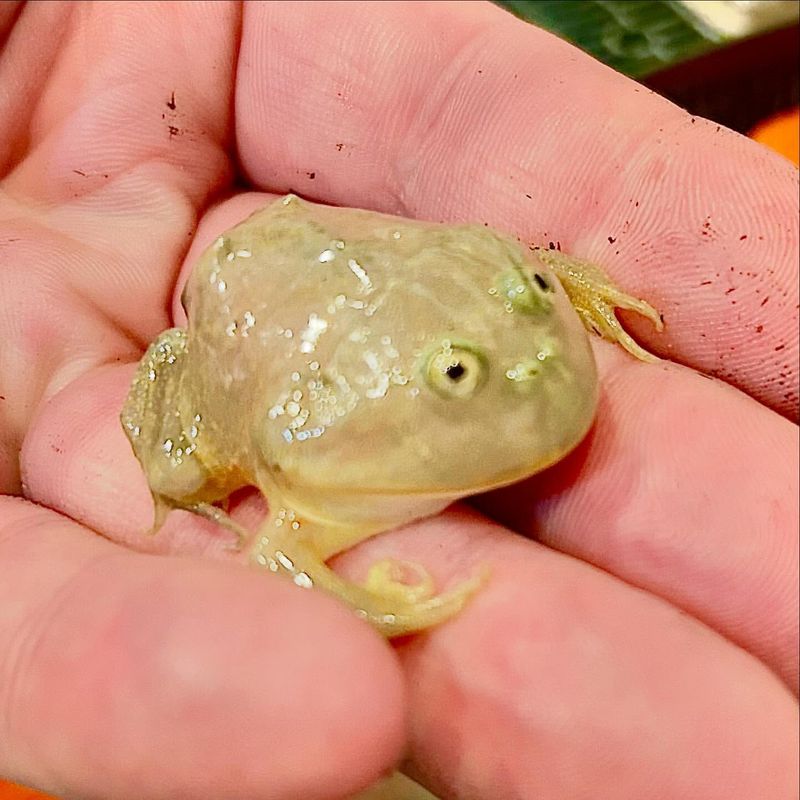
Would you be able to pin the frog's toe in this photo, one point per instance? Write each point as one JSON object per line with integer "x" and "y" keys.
{"x": 400, "y": 617}
{"x": 602, "y": 319}
{"x": 399, "y": 581}
{"x": 596, "y": 299}
{"x": 161, "y": 508}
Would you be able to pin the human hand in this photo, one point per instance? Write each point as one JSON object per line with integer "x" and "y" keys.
{"x": 648, "y": 639}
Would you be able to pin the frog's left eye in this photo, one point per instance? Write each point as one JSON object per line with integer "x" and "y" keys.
{"x": 521, "y": 292}
{"x": 455, "y": 371}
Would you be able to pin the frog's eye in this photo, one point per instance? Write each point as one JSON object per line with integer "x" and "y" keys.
{"x": 522, "y": 294}
{"x": 455, "y": 371}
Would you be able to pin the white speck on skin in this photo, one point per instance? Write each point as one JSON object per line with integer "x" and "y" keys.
{"x": 360, "y": 273}
{"x": 302, "y": 579}
{"x": 284, "y": 560}
{"x": 359, "y": 335}
{"x": 326, "y": 255}
{"x": 248, "y": 321}
{"x": 315, "y": 327}
{"x": 380, "y": 389}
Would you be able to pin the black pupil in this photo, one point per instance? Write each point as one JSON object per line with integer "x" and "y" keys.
{"x": 541, "y": 282}
{"x": 455, "y": 371}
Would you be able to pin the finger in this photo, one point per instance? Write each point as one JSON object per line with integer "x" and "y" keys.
{"x": 127, "y": 676}
{"x": 8, "y": 15}
{"x": 107, "y": 171}
{"x": 688, "y": 489}
{"x": 153, "y": 113}
{"x": 560, "y": 682}
{"x": 462, "y": 112}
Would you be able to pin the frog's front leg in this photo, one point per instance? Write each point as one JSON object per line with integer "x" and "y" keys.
{"x": 394, "y": 607}
{"x": 594, "y": 297}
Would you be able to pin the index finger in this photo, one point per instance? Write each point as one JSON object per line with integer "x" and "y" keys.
{"x": 462, "y": 112}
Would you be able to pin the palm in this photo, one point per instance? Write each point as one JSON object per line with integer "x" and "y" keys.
{"x": 685, "y": 488}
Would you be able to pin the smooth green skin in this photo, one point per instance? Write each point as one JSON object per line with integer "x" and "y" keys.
{"x": 362, "y": 371}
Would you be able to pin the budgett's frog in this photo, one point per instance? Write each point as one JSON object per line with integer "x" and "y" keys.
{"x": 362, "y": 371}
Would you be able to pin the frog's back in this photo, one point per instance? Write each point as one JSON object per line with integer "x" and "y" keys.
{"x": 313, "y": 330}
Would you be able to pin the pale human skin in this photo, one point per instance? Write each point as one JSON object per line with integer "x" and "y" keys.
{"x": 648, "y": 637}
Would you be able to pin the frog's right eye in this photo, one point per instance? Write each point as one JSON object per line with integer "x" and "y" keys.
{"x": 455, "y": 371}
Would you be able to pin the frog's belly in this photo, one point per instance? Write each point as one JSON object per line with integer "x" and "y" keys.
{"x": 334, "y": 524}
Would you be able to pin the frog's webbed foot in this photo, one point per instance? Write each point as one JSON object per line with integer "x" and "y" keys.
{"x": 222, "y": 518}
{"x": 397, "y": 608}
{"x": 389, "y": 603}
{"x": 595, "y": 298}
{"x": 163, "y": 505}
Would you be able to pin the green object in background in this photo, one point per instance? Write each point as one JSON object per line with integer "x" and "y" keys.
{"x": 641, "y": 37}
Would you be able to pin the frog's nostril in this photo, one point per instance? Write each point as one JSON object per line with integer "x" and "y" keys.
{"x": 524, "y": 371}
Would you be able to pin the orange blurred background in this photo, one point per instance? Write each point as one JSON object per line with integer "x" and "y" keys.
{"x": 781, "y": 133}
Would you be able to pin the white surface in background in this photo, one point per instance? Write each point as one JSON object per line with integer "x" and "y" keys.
{"x": 738, "y": 18}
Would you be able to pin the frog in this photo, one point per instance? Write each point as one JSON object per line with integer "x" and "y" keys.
{"x": 362, "y": 371}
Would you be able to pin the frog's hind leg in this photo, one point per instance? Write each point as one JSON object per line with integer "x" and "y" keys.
{"x": 165, "y": 436}
{"x": 386, "y": 601}
{"x": 595, "y": 298}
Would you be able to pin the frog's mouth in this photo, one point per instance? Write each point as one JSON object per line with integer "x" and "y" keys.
{"x": 449, "y": 492}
